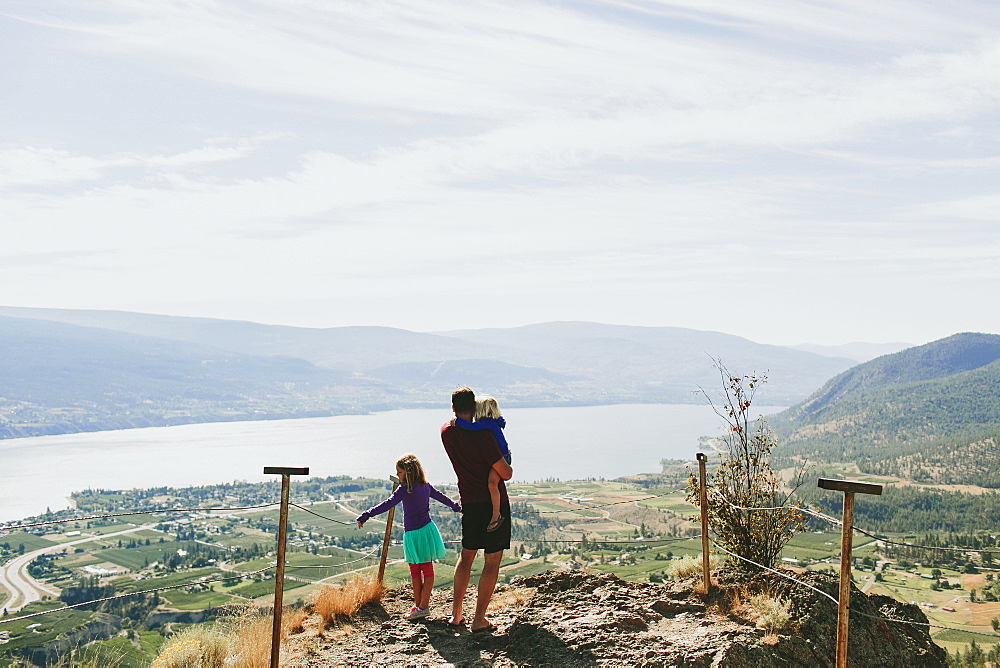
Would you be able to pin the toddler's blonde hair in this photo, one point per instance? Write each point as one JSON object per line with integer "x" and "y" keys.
{"x": 487, "y": 407}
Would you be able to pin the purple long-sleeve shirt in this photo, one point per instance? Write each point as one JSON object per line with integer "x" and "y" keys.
{"x": 416, "y": 505}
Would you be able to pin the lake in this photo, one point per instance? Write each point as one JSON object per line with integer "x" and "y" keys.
{"x": 565, "y": 443}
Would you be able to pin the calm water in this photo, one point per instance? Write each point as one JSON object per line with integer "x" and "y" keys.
{"x": 565, "y": 443}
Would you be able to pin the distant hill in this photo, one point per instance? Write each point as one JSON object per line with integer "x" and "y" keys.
{"x": 661, "y": 363}
{"x": 59, "y": 378}
{"x": 344, "y": 348}
{"x": 920, "y": 413}
{"x": 84, "y": 370}
{"x": 857, "y": 351}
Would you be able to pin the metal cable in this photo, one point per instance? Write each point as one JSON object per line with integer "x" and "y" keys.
{"x": 834, "y": 521}
{"x": 312, "y": 512}
{"x": 776, "y": 572}
{"x": 343, "y": 563}
{"x": 606, "y": 505}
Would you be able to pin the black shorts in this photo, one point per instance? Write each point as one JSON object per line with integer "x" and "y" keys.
{"x": 475, "y": 518}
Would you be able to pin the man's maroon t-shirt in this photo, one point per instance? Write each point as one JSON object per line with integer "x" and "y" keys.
{"x": 472, "y": 454}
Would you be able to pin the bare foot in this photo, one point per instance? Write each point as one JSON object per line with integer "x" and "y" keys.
{"x": 485, "y": 626}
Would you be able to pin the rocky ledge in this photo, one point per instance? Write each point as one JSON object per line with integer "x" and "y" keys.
{"x": 588, "y": 618}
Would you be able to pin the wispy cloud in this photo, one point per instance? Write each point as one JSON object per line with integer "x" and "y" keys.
{"x": 639, "y": 146}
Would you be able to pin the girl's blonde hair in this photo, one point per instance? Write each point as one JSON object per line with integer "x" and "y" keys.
{"x": 487, "y": 407}
{"x": 413, "y": 470}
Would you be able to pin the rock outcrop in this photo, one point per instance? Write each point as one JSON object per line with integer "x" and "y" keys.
{"x": 587, "y": 618}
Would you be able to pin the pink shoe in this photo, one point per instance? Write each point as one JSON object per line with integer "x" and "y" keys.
{"x": 417, "y": 613}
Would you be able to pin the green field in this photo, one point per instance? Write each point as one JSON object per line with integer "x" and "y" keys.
{"x": 674, "y": 503}
{"x": 127, "y": 585}
{"x": 31, "y": 542}
{"x": 136, "y": 558}
{"x": 262, "y": 588}
{"x": 49, "y": 627}
{"x": 818, "y": 546}
{"x": 117, "y": 652}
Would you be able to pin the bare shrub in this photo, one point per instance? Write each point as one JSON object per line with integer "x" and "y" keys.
{"x": 749, "y": 507}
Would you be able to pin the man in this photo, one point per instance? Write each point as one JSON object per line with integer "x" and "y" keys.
{"x": 473, "y": 454}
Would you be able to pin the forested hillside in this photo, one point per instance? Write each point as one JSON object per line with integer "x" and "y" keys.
{"x": 918, "y": 413}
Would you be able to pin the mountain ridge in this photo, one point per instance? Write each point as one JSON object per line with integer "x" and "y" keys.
{"x": 915, "y": 410}
{"x": 252, "y": 371}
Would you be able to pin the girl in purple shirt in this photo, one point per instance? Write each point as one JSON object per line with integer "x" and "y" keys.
{"x": 422, "y": 542}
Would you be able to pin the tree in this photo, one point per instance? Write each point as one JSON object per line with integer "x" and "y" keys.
{"x": 748, "y": 505}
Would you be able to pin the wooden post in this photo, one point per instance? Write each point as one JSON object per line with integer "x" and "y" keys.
{"x": 703, "y": 503}
{"x": 279, "y": 576}
{"x": 849, "y": 488}
{"x": 388, "y": 530}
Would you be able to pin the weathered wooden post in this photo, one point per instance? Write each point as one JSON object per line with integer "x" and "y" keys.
{"x": 279, "y": 576}
{"x": 849, "y": 488}
{"x": 703, "y": 503}
{"x": 388, "y": 530}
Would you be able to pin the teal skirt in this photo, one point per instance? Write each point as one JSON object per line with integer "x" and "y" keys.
{"x": 423, "y": 545}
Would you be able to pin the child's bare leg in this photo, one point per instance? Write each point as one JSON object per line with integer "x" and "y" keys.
{"x": 494, "y": 484}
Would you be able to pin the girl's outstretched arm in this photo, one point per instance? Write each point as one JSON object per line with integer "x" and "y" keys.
{"x": 443, "y": 498}
{"x": 396, "y": 497}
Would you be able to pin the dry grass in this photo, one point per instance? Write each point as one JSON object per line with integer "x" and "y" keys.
{"x": 253, "y": 638}
{"x": 195, "y": 647}
{"x": 293, "y": 621}
{"x": 690, "y": 567}
{"x": 511, "y": 598}
{"x": 339, "y": 603}
{"x": 737, "y": 597}
{"x": 240, "y": 640}
{"x": 773, "y": 614}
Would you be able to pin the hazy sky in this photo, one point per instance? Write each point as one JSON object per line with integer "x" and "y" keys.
{"x": 789, "y": 172}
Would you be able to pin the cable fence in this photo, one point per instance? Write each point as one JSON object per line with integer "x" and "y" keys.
{"x": 871, "y": 534}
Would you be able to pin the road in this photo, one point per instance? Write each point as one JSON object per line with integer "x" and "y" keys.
{"x": 24, "y": 589}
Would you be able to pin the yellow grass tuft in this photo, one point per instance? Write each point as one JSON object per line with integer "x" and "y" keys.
{"x": 293, "y": 622}
{"x": 338, "y": 603}
{"x": 240, "y": 640}
{"x": 690, "y": 567}
{"x": 253, "y": 638}
{"x": 773, "y": 614}
{"x": 197, "y": 646}
{"x": 511, "y": 598}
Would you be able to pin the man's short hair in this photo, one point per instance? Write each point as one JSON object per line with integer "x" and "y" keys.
{"x": 463, "y": 400}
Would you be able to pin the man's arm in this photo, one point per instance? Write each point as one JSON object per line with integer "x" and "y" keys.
{"x": 503, "y": 469}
